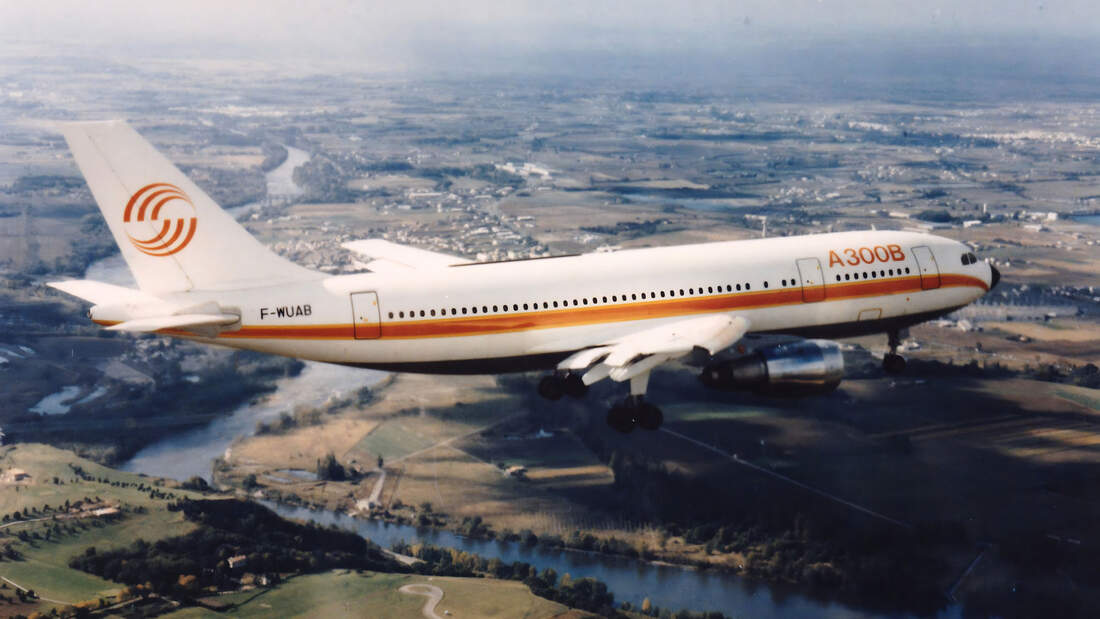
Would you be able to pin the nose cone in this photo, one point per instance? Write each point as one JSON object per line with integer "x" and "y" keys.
{"x": 994, "y": 276}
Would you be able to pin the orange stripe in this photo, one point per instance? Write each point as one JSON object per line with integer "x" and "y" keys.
{"x": 578, "y": 316}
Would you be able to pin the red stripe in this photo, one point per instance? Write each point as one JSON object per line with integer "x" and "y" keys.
{"x": 148, "y": 199}
{"x": 134, "y": 199}
{"x": 154, "y": 250}
{"x": 163, "y": 231}
{"x": 176, "y": 196}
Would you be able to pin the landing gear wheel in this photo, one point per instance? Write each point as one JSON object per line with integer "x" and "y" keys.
{"x": 622, "y": 418}
{"x": 893, "y": 363}
{"x": 650, "y": 417}
{"x": 573, "y": 386}
{"x": 551, "y": 387}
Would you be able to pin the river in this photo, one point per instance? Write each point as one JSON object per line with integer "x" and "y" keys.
{"x": 192, "y": 453}
{"x": 629, "y": 579}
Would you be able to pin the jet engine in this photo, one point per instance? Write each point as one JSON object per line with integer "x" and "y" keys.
{"x": 795, "y": 368}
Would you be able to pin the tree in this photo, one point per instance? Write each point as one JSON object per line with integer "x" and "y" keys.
{"x": 329, "y": 469}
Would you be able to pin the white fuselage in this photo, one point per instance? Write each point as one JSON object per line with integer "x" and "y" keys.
{"x": 530, "y": 313}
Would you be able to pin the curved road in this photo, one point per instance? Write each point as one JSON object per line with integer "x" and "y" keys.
{"x": 434, "y": 593}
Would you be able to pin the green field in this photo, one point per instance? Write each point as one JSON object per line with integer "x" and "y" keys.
{"x": 367, "y": 594}
{"x": 391, "y": 440}
{"x": 44, "y": 566}
{"x": 1080, "y": 395}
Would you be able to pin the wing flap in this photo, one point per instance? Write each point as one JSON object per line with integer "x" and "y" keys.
{"x": 637, "y": 353}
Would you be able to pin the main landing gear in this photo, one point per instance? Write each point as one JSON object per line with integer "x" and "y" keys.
{"x": 553, "y": 387}
{"x": 624, "y": 416}
{"x": 892, "y": 362}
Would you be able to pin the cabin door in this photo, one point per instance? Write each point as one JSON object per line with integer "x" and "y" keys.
{"x": 813, "y": 279}
{"x": 366, "y": 316}
{"x": 929, "y": 270}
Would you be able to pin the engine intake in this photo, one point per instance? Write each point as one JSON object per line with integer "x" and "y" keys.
{"x": 796, "y": 368}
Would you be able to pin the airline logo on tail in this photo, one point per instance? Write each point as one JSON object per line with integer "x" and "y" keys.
{"x": 167, "y": 205}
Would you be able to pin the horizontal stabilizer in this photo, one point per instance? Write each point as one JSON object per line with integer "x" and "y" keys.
{"x": 181, "y": 321}
{"x": 391, "y": 257}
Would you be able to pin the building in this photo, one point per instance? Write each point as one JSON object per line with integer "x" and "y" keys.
{"x": 16, "y": 475}
{"x": 236, "y": 561}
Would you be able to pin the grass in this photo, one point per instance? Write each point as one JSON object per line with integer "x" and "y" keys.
{"x": 368, "y": 594}
{"x": 1080, "y": 395}
{"x": 44, "y": 567}
{"x": 392, "y": 440}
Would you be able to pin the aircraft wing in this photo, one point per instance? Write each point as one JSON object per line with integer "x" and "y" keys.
{"x": 101, "y": 293}
{"x": 387, "y": 257}
{"x": 637, "y": 353}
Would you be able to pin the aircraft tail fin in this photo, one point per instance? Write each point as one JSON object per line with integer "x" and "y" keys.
{"x": 172, "y": 235}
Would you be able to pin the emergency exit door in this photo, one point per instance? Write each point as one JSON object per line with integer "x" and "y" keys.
{"x": 813, "y": 279}
{"x": 366, "y": 316}
{"x": 929, "y": 270}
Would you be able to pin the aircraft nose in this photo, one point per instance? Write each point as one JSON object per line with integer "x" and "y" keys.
{"x": 994, "y": 276}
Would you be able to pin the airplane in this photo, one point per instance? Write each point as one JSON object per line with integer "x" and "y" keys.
{"x": 582, "y": 318}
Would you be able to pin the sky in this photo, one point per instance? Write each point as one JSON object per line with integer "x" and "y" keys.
{"x": 333, "y": 27}
{"x": 571, "y": 35}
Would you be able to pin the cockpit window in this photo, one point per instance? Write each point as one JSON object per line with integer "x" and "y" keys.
{"x": 969, "y": 258}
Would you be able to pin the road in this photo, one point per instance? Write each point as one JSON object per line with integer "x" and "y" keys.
{"x": 434, "y": 593}
{"x": 46, "y": 599}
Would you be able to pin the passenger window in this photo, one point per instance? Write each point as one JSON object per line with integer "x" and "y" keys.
{"x": 433, "y": 312}
{"x": 464, "y": 311}
{"x": 400, "y": 314}
{"x": 391, "y": 315}
{"x": 765, "y": 284}
{"x": 748, "y": 286}
{"x": 605, "y": 299}
{"x": 739, "y": 287}
{"x": 847, "y": 276}
{"x": 524, "y": 306}
{"x": 473, "y": 310}
{"x": 555, "y": 303}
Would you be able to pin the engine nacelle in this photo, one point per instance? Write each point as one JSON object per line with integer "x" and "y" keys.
{"x": 796, "y": 368}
